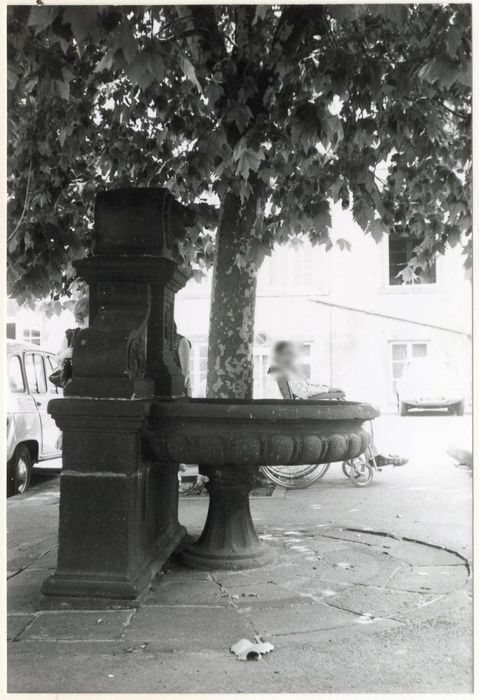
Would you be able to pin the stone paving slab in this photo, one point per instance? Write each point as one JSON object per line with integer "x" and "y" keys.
{"x": 258, "y": 594}
{"x": 94, "y": 626}
{"x": 269, "y": 621}
{"x": 189, "y": 628}
{"x": 16, "y": 624}
{"x": 283, "y": 571}
{"x": 439, "y": 579}
{"x": 185, "y": 592}
{"x": 380, "y": 602}
{"x": 24, "y": 591}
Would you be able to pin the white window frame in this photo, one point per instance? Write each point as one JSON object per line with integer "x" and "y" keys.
{"x": 286, "y": 261}
{"x": 197, "y": 382}
{"x": 27, "y": 336}
{"x": 407, "y": 288}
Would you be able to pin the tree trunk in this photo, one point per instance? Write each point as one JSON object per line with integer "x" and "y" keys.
{"x": 233, "y": 297}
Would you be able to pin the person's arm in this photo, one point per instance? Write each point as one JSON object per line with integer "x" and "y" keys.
{"x": 65, "y": 351}
{"x": 317, "y": 389}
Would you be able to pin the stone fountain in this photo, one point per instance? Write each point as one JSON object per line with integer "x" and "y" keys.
{"x": 126, "y": 424}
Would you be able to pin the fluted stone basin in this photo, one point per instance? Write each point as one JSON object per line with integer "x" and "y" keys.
{"x": 230, "y": 439}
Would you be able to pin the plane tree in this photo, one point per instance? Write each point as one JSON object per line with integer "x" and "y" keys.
{"x": 258, "y": 117}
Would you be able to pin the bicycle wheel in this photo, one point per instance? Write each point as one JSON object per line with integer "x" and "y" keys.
{"x": 295, "y": 477}
{"x": 361, "y": 473}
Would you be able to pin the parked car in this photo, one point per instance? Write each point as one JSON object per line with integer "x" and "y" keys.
{"x": 32, "y": 435}
{"x": 429, "y": 383}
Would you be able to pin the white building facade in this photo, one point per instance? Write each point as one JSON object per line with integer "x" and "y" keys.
{"x": 358, "y": 323}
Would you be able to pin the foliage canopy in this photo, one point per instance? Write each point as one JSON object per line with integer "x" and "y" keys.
{"x": 304, "y": 104}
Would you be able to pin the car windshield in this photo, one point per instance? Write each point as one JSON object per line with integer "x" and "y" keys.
{"x": 427, "y": 369}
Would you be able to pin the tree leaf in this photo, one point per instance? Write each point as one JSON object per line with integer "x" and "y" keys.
{"x": 42, "y": 17}
{"x": 260, "y": 13}
{"x": 248, "y": 161}
{"x": 83, "y": 22}
{"x": 190, "y": 73}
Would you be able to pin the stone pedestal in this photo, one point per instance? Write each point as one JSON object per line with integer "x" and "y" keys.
{"x": 119, "y": 506}
{"x": 229, "y": 539}
{"x": 118, "y": 511}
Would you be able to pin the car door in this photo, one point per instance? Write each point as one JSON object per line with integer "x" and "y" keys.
{"x": 23, "y": 417}
{"x": 38, "y": 386}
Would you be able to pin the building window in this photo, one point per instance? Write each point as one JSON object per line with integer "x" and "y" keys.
{"x": 11, "y": 331}
{"x": 402, "y": 353}
{"x": 291, "y": 268}
{"x": 198, "y": 365}
{"x": 31, "y": 335}
{"x": 401, "y": 250}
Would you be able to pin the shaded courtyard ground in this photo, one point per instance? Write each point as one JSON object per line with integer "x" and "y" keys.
{"x": 357, "y": 599}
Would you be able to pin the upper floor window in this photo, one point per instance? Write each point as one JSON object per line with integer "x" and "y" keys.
{"x": 401, "y": 250}
{"x": 292, "y": 269}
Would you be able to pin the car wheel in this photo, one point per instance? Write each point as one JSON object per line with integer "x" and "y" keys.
{"x": 460, "y": 408}
{"x": 20, "y": 470}
{"x": 403, "y": 408}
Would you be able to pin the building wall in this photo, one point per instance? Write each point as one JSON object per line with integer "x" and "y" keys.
{"x": 301, "y": 292}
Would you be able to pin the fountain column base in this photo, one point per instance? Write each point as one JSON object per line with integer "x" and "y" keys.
{"x": 228, "y": 540}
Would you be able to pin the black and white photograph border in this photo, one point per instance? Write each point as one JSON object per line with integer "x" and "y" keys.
{"x": 239, "y": 348}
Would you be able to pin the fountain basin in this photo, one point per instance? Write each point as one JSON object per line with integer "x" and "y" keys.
{"x": 229, "y": 439}
{"x": 218, "y": 432}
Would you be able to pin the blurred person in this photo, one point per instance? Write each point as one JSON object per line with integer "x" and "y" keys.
{"x": 182, "y": 351}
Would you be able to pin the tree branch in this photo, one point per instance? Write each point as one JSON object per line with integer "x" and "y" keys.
{"x": 452, "y": 111}
{"x": 24, "y": 205}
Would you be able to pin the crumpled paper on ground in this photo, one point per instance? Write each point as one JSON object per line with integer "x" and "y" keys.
{"x": 249, "y": 651}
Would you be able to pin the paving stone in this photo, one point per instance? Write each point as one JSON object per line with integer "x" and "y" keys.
{"x": 47, "y": 561}
{"x": 16, "y": 624}
{"x": 180, "y": 572}
{"x": 422, "y": 554}
{"x": 57, "y": 648}
{"x": 179, "y": 628}
{"x": 434, "y": 579}
{"x": 277, "y": 574}
{"x": 27, "y": 553}
{"x": 99, "y": 625}
{"x": 320, "y": 638}
{"x": 24, "y": 591}
{"x": 441, "y": 607}
{"x": 186, "y": 592}
{"x": 298, "y": 618}
{"x": 347, "y": 566}
{"x": 316, "y": 587}
{"x": 380, "y": 602}
{"x": 260, "y": 594}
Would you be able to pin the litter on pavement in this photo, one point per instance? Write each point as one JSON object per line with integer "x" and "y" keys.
{"x": 249, "y": 651}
